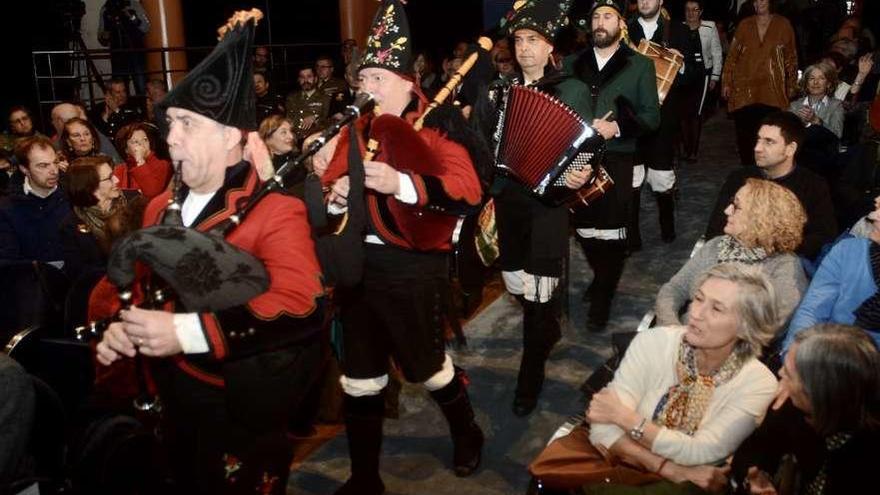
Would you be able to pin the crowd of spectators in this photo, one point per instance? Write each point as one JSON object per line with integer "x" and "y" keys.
{"x": 803, "y": 213}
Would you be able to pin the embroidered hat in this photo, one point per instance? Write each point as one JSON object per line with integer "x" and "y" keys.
{"x": 221, "y": 87}
{"x": 545, "y": 17}
{"x": 388, "y": 45}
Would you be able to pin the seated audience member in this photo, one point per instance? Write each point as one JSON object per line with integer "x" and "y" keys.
{"x": 765, "y": 224}
{"x": 277, "y": 132}
{"x": 845, "y": 286}
{"x": 116, "y": 111}
{"x": 685, "y": 397}
{"x": 858, "y": 182}
{"x": 156, "y": 91}
{"x": 142, "y": 171}
{"x": 426, "y": 78}
{"x": 268, "y": 101}
{"x": 100, "y": 215}
{"x": 6, "y": 171}
{"x": 21, "y": 125}
{"x": 504, "y": 64}
{"x": 818, "y": 105}
{"x": 345, "y": 97}
{"x": 17, "y": 406}
{"x": 79, "y": 139}
{"x": 327, "y": 82}
{"x": 779, "y": 137}
{"x": 63, "y": 112}
{"x": 827, "y": 417}
{"x": 30, "y": 215}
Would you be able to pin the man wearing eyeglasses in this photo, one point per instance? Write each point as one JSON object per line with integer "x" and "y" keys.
{"x": 327, "y": 82}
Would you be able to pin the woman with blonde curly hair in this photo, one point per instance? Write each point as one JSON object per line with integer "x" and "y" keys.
{"x": 765, "y": 224}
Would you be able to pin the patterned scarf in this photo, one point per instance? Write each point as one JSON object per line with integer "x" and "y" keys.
{"x": 832, "y": 443}
{"x": 95, "y": 219}
{"x": 683, "y": 406}
{"x": 868, "y": 313}
{"x": 732, "y": 251}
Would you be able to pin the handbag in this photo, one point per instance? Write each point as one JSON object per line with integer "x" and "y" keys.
{"x": 572, "y": 461}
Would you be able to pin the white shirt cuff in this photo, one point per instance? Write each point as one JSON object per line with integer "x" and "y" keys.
{"x": 189, "y": 333}
{"x": 335, "y": 209}
{"x": 407, "y": 192}
{"x": 617, "y": 134}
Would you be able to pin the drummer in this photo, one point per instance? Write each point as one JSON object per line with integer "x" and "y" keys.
{"x": 621, "y": 82}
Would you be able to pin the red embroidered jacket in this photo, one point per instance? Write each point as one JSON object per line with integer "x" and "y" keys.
{"x": 277, "y": 232}
{"x": 441, "y": 171}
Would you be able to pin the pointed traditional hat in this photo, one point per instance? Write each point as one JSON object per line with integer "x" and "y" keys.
{"x": 389, "y": 44}
{"x": 221, "y": 87}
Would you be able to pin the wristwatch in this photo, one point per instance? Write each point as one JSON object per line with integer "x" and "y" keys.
{"x": 637, "y": 432}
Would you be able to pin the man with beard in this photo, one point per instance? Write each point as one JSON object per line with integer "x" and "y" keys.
{"x": 622, "y": 82}
{"x": 656, "y": 150}
{"x": 532, "y": 235}
{"x": 308, "y": 107}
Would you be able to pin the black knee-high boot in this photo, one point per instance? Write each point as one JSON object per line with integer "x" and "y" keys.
{"x": 633, "y": 232}
{"x": 540, "y": 333}
{"x": 363, "y": 427}
{"x": 606, "y": 258}
{"x": 666, "y": 210}
{"x": 467, "y": 437}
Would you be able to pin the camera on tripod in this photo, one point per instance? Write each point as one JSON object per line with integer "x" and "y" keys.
{"x": 72, "y": 12}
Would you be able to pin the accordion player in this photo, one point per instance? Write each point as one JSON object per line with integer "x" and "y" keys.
{"x": 540, "y": 140}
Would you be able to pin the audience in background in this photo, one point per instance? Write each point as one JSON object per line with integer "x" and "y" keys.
{"x": 765, "y": 223}
{"x": 31, "y": 215}
{"x": 826, "y": 420}
{"x": 142, "y": 170}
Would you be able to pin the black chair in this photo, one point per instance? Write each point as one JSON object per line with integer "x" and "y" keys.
{"x": 33, "y": 294}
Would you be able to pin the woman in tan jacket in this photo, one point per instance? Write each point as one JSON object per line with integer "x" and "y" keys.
{"x": 760, "y": 74}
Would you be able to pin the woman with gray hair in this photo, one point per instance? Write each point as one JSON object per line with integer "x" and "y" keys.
{"x": 684, "y": 397}
{"x": 818, "y": 105}
{"x": 827, "y": 415}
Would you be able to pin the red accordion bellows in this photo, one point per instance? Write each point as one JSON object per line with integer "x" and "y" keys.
{"x": 540, "y": 136}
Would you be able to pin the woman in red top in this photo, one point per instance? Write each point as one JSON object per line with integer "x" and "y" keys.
{"x": 142, "y": 171}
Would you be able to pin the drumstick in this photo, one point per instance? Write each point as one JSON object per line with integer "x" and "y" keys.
{"x": 609, "y": 114}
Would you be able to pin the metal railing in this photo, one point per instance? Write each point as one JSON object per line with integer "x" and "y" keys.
{"x": 70, "y": 75}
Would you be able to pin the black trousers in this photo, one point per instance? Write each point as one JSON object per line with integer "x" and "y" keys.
{"x": 532, "y": 236}
{"x": 222, "y": 442}
{"x": 396, "y": 312}
{"x": 747, "y": 121}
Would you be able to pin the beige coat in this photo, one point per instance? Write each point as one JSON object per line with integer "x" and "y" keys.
{"x": 761, "y": 72}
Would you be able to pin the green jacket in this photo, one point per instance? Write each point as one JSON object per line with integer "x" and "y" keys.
{"x": 626, "y": 86}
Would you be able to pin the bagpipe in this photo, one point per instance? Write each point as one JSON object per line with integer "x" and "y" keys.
{"x": 399, "y": 145}
{"x": 200, "y": 270}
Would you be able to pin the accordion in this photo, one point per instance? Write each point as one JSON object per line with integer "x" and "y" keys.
{"x": 540, "y": 139}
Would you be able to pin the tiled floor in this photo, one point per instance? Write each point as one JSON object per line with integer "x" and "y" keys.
{"x": 417, "y": 451}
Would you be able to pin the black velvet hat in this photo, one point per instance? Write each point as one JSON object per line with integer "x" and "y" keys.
{"x": 545, "y": 17}
{"x": 221, "y": 87}
{"x": 389, "y": 44}
{"x": 583, "y": 10}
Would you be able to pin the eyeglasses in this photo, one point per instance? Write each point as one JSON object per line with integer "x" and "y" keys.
{"x": 110, "y": 177}
{"x": 325, "y": 66}
{"x": 139, "y": 141}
